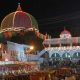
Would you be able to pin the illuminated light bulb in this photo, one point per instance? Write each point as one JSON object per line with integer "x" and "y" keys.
{"x": 31, "y": 47}
{"x": 6, "y": 59}
{"x": 70, "y": 47}
{"x": 77, "y": 54}
{"x": 69, "y": 56}
{"x": 77, "y": 47}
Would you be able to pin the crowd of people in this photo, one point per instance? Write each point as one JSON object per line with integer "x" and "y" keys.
{"x": 60, "y": 67}
{"x": 49, "y": 70}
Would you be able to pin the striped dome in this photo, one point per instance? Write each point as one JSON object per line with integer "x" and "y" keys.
{"x": 19, "y": 19}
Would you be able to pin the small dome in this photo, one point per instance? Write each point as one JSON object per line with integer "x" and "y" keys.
{"x": 65, "y": 34}
{"x": 19, "y": 19}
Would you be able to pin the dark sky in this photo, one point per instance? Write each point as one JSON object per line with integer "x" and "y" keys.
{"x": 52, "y": 15}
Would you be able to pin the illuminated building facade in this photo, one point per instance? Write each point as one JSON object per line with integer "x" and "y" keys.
{"x": 19, "y": 30}
{"x": 63, "y": 48}
{"x": 20, "y": 42}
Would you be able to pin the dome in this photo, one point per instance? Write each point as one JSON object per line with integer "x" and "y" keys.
{"x": 65, "y": 34}
{"x": 19, "y": 20}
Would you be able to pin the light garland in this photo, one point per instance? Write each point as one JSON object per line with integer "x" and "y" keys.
{"x": 65, "y": 48}
{"x": 17, "y": 29}
{"x": 6, "y": 62}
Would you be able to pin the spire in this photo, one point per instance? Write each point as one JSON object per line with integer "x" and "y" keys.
{"x": 19, "y": 7}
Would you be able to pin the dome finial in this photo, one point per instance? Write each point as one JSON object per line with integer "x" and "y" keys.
{"x": 19, "y": 7}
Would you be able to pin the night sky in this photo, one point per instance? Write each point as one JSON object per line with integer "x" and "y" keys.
{"x": 52, "y": 15}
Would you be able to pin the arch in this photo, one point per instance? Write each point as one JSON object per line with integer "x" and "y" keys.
{"x": 76, "y": 55}
{"x": 55, "y": 55}
{"x": 66, "y": 55}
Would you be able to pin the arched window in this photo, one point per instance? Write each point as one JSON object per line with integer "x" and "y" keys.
{"x": 66, "y": 55}
{"x": 55, "y": 55}
{"x": 76, "y": 55}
